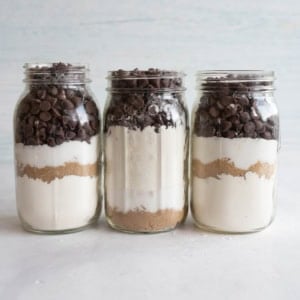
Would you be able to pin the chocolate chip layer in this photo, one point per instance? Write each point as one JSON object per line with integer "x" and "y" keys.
{"x": 233, "y": 109}
{"x": 145, "y": 98}
{"x": 151, "y": 79}
{"x": 54, "y": 113}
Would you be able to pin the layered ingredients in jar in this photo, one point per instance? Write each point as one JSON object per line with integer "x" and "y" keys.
{"x": 234, "y": 154}
{"x": 57, "y": 151}
{"x": 145, "y": 151}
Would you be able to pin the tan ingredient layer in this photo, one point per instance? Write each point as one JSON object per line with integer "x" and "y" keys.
{"x": 143, "y": 221}
{"x": 47, "y": 174}
{"x": 225, "y": 166}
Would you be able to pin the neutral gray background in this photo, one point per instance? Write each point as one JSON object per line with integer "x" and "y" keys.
{"x": 184, "y": 35}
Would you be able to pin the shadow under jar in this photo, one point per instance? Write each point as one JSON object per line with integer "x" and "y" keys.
{"x": 234, "y": 151}
{"x": 57, "y": 150}
{"x": 146, "y": 147}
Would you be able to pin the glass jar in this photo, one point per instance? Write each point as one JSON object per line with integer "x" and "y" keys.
{"x": 146, "y": 147}
{"x": 57, "y": 150}
{"x": 234, "y": 151}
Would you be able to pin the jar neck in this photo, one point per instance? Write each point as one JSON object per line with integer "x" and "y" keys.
{"x": 56, "y": 74}
{"x": 241, "y": 81}
{"x": 145, "y": 81}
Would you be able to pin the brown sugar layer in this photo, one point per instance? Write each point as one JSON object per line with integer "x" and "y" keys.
{"x": 227, "y": 167}
{"x": 47, "y": 174}
{"x": 143, "y": 221}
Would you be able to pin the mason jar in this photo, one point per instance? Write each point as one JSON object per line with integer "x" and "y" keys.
{"x": 57, "y": 149}
{"x": 146, "y": 146}
{"x": 235, "y": 144}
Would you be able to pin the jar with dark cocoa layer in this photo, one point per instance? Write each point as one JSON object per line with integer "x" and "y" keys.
{"x": 146, "y": 146}
{"x": 234, "y": 151}
{"x": 57, "y": 149}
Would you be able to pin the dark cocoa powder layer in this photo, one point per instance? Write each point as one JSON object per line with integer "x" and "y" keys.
{"x": 54, "y": 110}
{"x": 227, "y": 167}
{"x": 143, "y": 221}
{"x": 48, "y": 174}
{"x": 233, "y": 109}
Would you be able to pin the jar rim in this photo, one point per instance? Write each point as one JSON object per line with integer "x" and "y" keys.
{"x": 121, "y": 81}
{"x": 49, "y": 65}
{"x": 56, "y": 73}
{"x": 236, "y": 75}
{"x": 163, "y": 74}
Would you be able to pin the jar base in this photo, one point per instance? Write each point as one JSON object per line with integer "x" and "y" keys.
{"x": 30, "y": 229}
{"x": 130, "y": 231}
{"x": 221, "y": 231}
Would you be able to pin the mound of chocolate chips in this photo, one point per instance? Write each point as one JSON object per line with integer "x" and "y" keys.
{"x": 52, "y": 114}
{"x": 231, "y": 109}
{"x": 144, "y": 102}
{"x": 148, "y": 79}
{"x": 56, "y": 73}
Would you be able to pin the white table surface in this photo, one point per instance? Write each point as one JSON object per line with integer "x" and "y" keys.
{"x": 99, "y": 263}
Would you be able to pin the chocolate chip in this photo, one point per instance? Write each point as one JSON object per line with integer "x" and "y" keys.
{"x": 76, "y": 101}
{"x": 70, "y": 135}
{"x": 230, "y": 134}
{"x": 45, "y": 106}
{"x": 61, "y": 95}
{"x": 226, "y": 100}
{"x": 59, "y": 140}
{"x": 94, "y": 124}
{"x": 59, "y": 132}
{"x": 56, "y": 112}
{"x": 249, "y": 127}
{"x": 142, "y": 83}
{"x": 223, "y": 90}
{"x": 67, "y": 104}
{"x": 31, "y": 141}
{"x": 90, "y": 107}
{"x": 54, "y": 91}
{"x": 220, "y": 106}
{"x": 209, "y": 131}
{"x": 42, "y": 135}
{"x": 51, "y": 100}
{"x": 45, "y": 116}
{"x": 88, "y": 129}
{"x": 214, "y": 112}
{"x": 51, "y": 141}
{"x": 72, "y": 124}
{"x": 70, "y": 94}
{"x": 242, "y": 87}
{"x": 260, "y": 127}
{"x": 165, "y": 83}
{"x": 271, "y": 121}
{"x": 245, "y": 117}
{"x": 24, "y": 108}
{"x": 28, "y": 130}
{"x": 243, "y": 100}
{"x": 82, "y": 134}
{"x": 41, "y": 94}
{"x": 226, "y": 125}
{"x": 154, "y": 82}
{"x": 204, "y": 115}
{"x": 30, "y": 120}
{"x": 35, "y": 109}
{"x": 267, "y": 135}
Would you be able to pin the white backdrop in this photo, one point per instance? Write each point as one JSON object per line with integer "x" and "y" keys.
{"x": 184, "y": 35}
